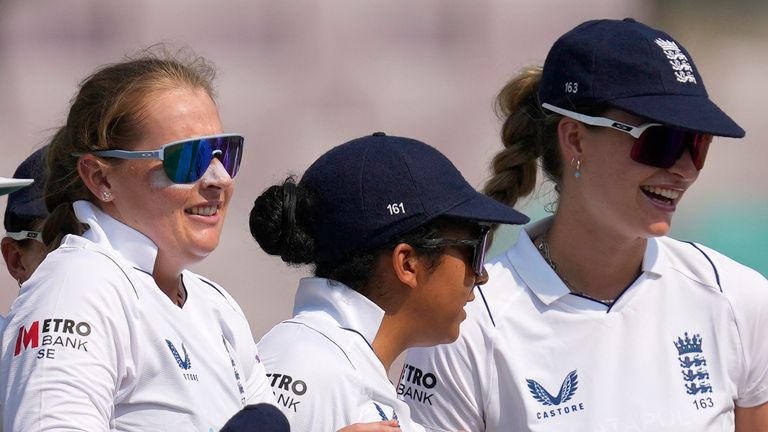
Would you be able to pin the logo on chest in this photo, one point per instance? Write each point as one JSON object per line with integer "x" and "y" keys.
{"x": 416, "y": 384}
{"x": 690, "y": 356}
{"x": 185, "y": 363}
{"x": 693, "y": 364}
{"x": 557, "y": 402}
{"x": 383, "y": 415}
{"x": 288, "y": 390}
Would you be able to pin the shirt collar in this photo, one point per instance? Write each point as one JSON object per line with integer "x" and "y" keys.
{"x": 346, "y": 306}
{"x": 652, "y": 262}
{"x": 539, "y": 276}
{"x": 530, "y": 265}
{"x": 110, "y": 233}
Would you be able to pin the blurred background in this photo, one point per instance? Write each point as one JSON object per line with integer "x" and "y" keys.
{"x": 298, "y": 77}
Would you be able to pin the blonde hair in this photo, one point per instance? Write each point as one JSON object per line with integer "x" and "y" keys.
{"x": 107, "y": 113}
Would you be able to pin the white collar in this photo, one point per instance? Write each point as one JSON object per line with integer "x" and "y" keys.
{"x": 109, "y": 233}
{"x": 346, "y": 306}
{"x": 539, "y": 276}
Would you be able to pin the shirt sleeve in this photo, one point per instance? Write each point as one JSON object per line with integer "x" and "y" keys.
{"x": 748, "y": 293}
{"x": 63, "y": 358}
{"x": 444, "y": 385}
{"x": 257, "y": 387}
{"x": 315, "y": 385}
{"x": 239, "y": 343}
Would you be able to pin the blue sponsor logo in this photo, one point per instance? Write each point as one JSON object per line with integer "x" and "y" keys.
{"x": 567, "y": 391}
{"x": 382, "y": 414}
{"x": 185, "y": 364}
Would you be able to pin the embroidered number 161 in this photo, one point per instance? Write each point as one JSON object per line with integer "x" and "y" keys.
{"x": 396, "y": 208}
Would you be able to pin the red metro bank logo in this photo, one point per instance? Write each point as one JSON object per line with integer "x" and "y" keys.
{"x": 51, "y": 333}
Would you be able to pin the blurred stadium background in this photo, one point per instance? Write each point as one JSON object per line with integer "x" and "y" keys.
{"x": 300, "y": 76}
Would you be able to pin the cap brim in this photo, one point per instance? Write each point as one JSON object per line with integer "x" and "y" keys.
{"x": 8, "y": 185}
{"x": 484, "y": 209}
{"x": 694, "y": 113}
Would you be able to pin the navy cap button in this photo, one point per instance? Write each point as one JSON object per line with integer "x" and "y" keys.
{"x": 379, "y": 134}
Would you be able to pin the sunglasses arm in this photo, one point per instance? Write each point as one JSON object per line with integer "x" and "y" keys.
{"x": 126, "y": 154}
{"x": 635, "y": 131}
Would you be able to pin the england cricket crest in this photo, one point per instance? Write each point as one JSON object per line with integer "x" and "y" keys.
{"x": 679, "y": 62}
{"x": 693, "y": 364}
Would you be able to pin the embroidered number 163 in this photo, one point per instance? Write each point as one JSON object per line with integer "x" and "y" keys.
{"x": 396, "y": 208}
{"x": 703, "y": 403}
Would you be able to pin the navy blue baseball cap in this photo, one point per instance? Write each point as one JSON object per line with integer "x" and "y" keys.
{"x": 261, "y": 417}
{"x": 26, "y": 205}
{"x": 373, "y": 189}
{"x": 633, "y": 67}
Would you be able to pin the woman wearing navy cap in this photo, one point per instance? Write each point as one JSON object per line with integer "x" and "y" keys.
{"x": 22, "y": 246}
{"x": 595, "y": 320}
{"x": 396, "y": 238}
{"x": 7, "y": 186}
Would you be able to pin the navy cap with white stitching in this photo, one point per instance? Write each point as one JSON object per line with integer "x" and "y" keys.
{"x": 375, "y": 188}
{"x": 633, "y": 67}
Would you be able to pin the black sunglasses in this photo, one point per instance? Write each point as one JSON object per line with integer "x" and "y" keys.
{"x": 479, "y": 247}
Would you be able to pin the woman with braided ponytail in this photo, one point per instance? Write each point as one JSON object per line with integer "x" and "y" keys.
{"x": 595, "y": 320}
{"x": 396, "y": 238}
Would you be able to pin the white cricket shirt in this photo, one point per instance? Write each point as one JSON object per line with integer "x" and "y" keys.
{"x": 92, "y": 343}
{"x": 684, "y": 344}
{"x": 321, "y": 365}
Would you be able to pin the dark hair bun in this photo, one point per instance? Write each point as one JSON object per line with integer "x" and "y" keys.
{"x": 278, "y": 220}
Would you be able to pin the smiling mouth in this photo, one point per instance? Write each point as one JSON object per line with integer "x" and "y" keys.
{"x": 203, "y": 210}
{"x": 664, "y": 195}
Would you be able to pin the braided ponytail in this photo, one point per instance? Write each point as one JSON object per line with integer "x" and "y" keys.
{"x": 527, "y": 135}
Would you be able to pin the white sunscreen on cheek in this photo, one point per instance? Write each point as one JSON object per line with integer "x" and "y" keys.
{"x": 215, "y": 174}
{"x": 159, "y": 180}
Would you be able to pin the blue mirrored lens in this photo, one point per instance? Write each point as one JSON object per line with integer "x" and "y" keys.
{"x": 187, "y": 161}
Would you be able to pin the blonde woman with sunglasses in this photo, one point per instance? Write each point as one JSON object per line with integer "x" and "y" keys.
{"x": 596, "y": 320}
{"x": 112, "y": 332}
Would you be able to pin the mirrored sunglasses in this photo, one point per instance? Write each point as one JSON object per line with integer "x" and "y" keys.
{"x": 186, "y": 161}
{"x": 655, "y": 144}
